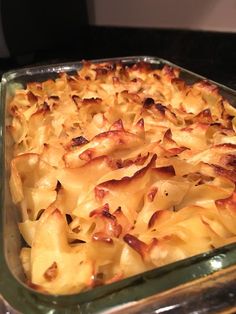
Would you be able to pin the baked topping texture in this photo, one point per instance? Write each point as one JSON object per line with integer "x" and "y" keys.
{"x": 117, "y": 170}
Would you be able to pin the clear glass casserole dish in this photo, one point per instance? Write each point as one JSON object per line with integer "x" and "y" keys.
{"x": 140, "y": 287}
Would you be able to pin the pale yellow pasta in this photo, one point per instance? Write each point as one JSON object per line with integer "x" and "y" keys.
{"x": 117, "y": 170}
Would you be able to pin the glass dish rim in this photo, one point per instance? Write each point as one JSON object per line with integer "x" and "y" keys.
{"x": 59, "y": 67}
{"x": 84, "y": 297}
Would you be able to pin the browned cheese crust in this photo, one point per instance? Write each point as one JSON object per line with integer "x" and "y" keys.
{"x": 118, "y": 170}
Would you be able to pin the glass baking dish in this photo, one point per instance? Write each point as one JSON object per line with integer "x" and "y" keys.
{"x": 138, "y": 292}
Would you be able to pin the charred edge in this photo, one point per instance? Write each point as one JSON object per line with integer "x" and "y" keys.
{"x": 77, "y": 241}
{"x": 148, "y": 102}
{"x": 125, "y": 163}
{"x": 99, "y": 210}
{"x": 168, "y": 134}
{"x": 105, "y": 68}
{"x": 187, "y": 129}
{"x": 117, "y": 125}
{"x": 101, "y": 71}
{"x": 226, "y": 145}
{"x": 114, "y": 164}
{"x": 68, "y": 219}
{"x": 156, "y": 76}
{"x": 137, "y": 174}
{"x": 170, "y": 71}
{"x": 140, "y": 172}
{"x": 169, "y": 170}
{"x": 40, "y": 214}
{"x": 108, "y": 215}
{"x": 80, "y": 140}
{"x": 142, "y": 65}
{"x": 31, "y": 97}
{"x": 51, "y": 273}
{"x": 177, "y": 150}
{"x": 75, "y": 99}
{"x": 155, "y": 217}
{"x": 111, "y": 66}
{"x": 118, "y": 210}
{"x": 160, "y": 108}
{"x": 229, "y": 174}
{"x": 228, "y": 160}
{"x": 76, "y": 229}
{"x": 54, "y": 97}
{"x": 92, "y": 100}
{"x": 58, "y": 186}
{"x": 136, "y": 244}
{"x": 45, "y": 106}
{"x": 140, "y": 160}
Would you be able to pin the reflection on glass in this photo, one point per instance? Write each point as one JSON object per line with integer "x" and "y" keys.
{"x": 216, "y": 263}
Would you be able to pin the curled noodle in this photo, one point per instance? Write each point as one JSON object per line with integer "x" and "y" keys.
{"x": 118, "y": 170}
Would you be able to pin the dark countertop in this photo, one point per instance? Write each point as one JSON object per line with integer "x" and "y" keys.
{"x": 211, "y": 54}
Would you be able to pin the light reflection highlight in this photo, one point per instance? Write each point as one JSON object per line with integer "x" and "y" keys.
{"x": 216, "y": 264}
{"x": 166, "y": 308}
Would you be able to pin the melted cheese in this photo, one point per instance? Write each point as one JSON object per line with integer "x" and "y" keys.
{"x": 118, "y": 170}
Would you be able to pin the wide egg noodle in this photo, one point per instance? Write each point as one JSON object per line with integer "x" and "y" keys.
{"x": 119, "y": 169}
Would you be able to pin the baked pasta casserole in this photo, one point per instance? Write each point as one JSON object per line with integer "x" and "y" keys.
{"x": 117, "y": 170}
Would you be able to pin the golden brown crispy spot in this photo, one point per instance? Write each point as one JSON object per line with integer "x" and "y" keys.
{"x": 51, "y": 273}
{"x": 118, "y": 169}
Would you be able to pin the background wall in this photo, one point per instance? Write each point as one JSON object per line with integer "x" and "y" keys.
{"x": 216, "y": 15}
